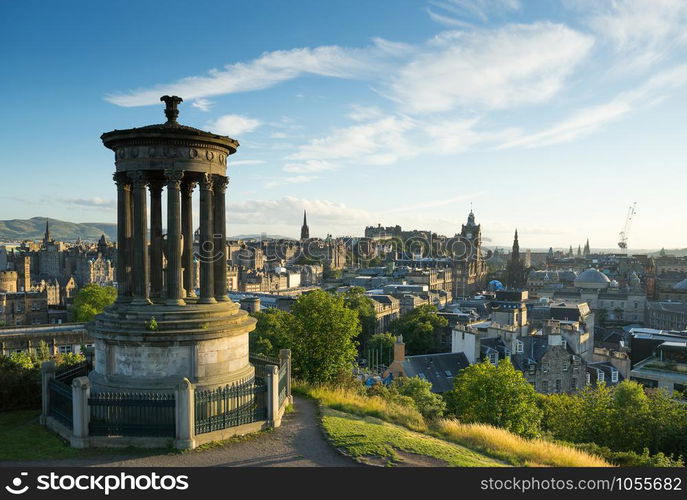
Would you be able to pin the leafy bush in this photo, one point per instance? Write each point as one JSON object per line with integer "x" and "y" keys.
{"x": 495, "y": 395}
{"x": 630, "y": 458}
{"x": 626, "y": 418}
{"x": 420, "y": 392}
{"x": 20, "y": 377}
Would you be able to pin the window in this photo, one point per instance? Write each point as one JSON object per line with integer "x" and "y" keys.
{"x": 64, "y": 349}
{"x": 545, "y": 386}
{"x": 545, "y": 368}
{"x": 565, "y": 366}
{"x": 599, "y": 376}
{"x": 564, "y": 343}
{"x": 589, "y": 378}
{"x": 519, "y": 346}
{"x": 614, "y": 375}
{"x": 494, "y": 358}
{"x": 573, "y": 384}
{"x": 558, "y": 385}
{"x": 533, "y": 369}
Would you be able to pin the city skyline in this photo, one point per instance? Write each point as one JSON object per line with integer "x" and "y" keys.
{"x": 552, "y": 118}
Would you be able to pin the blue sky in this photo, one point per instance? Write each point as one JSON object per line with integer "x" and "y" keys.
{"x": 552, "y": 117}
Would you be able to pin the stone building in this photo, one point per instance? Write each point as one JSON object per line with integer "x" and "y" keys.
{"x": 60, "y": 339}
{"x": 23, "y": 308}
{"x": 666, "y": 315}
{"x": 387, "y": 309}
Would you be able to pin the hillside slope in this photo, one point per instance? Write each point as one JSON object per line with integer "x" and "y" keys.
{"x": 34, "y": 229}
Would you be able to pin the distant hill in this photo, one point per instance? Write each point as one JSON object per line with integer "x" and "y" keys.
{"x": 257, "y": 236}
{"x": 34, "y": 229}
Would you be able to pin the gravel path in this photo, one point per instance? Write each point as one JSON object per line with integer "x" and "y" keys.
{"x": 299, "y": 442}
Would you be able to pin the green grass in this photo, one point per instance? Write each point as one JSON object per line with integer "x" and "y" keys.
{"x": 22, "y": 438}
{"x": 365, "y": 437}
{"x": 482, "y": 439}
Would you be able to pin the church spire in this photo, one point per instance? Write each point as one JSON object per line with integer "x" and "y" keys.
{"x": 305, "y": 230}
{"x": 46, "y": 238}
{"x": 516, "y": 247}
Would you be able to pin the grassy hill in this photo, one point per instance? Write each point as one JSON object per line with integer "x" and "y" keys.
{"x": 34, "y": 229}
{"x": 375, "y": 430}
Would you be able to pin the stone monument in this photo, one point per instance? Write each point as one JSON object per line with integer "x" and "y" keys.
{"x": 160, "y": 331}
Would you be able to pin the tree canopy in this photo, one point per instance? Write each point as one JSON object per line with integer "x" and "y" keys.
{"x": 322, "y": 339}
{"x": 356, "y": 300}
{"x": 496, "y": 395}
{"x": 420, "y": 328}
{"x": 272, "y": 332}
{"x": 91, "y": 300}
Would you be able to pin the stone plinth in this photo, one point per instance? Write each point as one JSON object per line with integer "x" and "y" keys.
{"x": 152, "y": 348}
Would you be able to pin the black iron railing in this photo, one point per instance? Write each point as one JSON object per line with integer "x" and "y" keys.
{"x": 260, "y": 362}
{"x": 230, "y": 406}
{"x": 60, "y": 402}
{"x": 132, "y": 414}
{"x": 68, "y": 373}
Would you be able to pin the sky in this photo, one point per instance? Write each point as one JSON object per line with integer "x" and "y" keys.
{"x": 551, "y": 117}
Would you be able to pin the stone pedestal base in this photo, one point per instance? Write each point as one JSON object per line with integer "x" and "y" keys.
{"x": 151, "y": 348}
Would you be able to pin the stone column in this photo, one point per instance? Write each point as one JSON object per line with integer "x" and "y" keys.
{"x": 81, "y": 414}
{"x": 140, "y": 241}
{"x": 123, "y": 236}
{"x": 174, "y": 289}
{"x": 220, "y": 238}
{"x": 155, "y": 188}
{"x": 185, "y": 418}
{"x": 285, "y": 359}
{"x": 187, "y": 188}
{"x": 47, "y": 374}
{"x": 206, "y": 250}
{"x": 272, "y": 383}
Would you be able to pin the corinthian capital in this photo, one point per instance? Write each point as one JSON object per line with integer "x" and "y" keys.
{"x": 174, "y": 178}
{"x": 138, "y": 178}
{"x": 221, "y": 183}
{"x": 206, "y": 182}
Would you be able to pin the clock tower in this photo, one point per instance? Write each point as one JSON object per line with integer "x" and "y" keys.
{"x": 470, "y": 269}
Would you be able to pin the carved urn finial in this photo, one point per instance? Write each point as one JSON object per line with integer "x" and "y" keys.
{"x": 171, "y": 111}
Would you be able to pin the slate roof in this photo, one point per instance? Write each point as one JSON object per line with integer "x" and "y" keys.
{"x": 439, "y": 369}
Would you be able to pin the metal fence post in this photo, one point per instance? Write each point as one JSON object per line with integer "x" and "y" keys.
{"x": 285, "y": 357}
{"x": 272, "y": 383}
{"x": 81, "y": 413}
{"x": 185, "y": 416}
{"x": 47, "y": 374}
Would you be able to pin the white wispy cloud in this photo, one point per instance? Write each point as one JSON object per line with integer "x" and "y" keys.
{"x": 476, "y": 9}
{"x": 245, "y": 162}
{"x": 291, "y": 179}
{"x": 286, "y": 210}
{"x": 233, "y": 125}
{"x": 202, "y": 104}
{"x": 94, "y": 203}
{"x": 641, "y": 32}
{"x": 591, "y": 119}
{"x": 490, "y": 69}
{"x": 309, "y": 166}
{"x": 270, "y": 69}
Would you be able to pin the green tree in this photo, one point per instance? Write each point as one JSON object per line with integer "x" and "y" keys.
{"x": 272, "y": 332}
{"x": 92, "y": 300}
{"x": 322, "y": 340}
{"x": 382, "y": 344}
{"x": 420, "y": 391}
{"x": 356, "y": 300}
{"x": 420, "y": 328}
{"x": 496, "y": 395}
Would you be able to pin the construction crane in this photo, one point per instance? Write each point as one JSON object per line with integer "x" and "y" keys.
{"x": 625, "y": 233}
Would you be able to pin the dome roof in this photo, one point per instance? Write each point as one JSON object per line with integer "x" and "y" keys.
{"x": 592, "y": 278}
{"x": 681, "y": 286}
